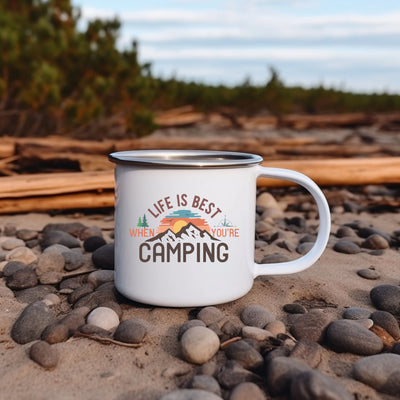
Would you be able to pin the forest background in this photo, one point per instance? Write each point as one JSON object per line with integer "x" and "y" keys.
{"x": 58, "y": 79}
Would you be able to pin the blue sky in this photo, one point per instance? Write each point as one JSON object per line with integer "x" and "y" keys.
{"x": 345, "y": 44}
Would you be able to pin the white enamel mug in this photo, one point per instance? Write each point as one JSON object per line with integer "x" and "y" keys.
{"x": 185, "y": 225}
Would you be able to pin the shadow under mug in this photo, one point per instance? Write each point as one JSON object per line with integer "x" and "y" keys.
{"x": 185, "y": 225}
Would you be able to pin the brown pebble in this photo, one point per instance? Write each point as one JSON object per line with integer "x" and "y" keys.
{"x": 386, "y": 338}
{"x": 44, "y": 354}
{"x": 368, "y": 273}
{"x": 55, "y": 333}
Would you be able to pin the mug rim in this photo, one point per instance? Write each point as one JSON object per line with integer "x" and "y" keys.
{"x": 185, "y": 158}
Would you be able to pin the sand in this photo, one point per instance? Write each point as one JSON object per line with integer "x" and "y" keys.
{"x": 91, "y": 370}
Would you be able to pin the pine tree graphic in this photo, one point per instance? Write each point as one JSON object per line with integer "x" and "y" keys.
{"x": 144, "y": 221}
{"x": 140, "y": 222}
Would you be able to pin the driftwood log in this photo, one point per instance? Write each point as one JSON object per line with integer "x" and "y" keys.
{"x": 95, "y": 189}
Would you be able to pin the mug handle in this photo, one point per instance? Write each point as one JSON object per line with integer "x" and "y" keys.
{"x": 312, "y": 256}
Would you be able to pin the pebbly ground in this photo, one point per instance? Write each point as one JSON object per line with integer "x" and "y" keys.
{"x": 333, "y": 329}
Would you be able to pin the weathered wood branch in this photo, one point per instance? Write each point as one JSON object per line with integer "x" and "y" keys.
{"x": 85, "y": 190}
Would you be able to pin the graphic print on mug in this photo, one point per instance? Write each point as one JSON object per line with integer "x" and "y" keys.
{"x": 173, "y": 230}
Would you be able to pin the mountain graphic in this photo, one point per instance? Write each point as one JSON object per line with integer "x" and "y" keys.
{"x": 187, "y": 233}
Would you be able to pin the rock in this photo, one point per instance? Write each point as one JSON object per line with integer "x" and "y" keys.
{"x": 252, "y": 332}
{"x": 55, "y": 333}
{"x": 386, "y": 298}
{"x": 5, "y": 292}
{"x": 308, "y": 351}
{"x": 12, "y": 243}
{"x": 27, "y": 234}
{"x": 132, "y": 330}
{"x": 23, "y": 254}
{"x": 10, "y": 229}
{"x": 103, "y": 257}
{"x": 366, "y": 232}
{"x": 79, "y": 292}
{"x": 232, "y": 328}
{"x": 51, "y": 299}
{"x": 271, "y": 213}
{"x": 256, "y": 315}
{"x": 294, "y": 308}
{"x": 22, "y": 279}
{"x": 205, "y": 382}
{"x": 345, "y": 231}
{"x": 190, "y": 394}
{"x": 276, "y": 327}
{"x": 35, "y": 293}
{"x": 356, "y": 313}
{"x": 73, "y": 260}
{"x": 305, "y": 247}
{"x": 103, "y": 317}
{"x": 388, "y": 322}
{"x": 262, "y": 227}
{"x": 310, "y": 326}
{"x": 233, "y": 374}
{"x": 31, "y": 322}
{"x": 350, "y": 337}
{"x": 44, "y": 354}
{"x": 75, "y": 319}
{"x": 379, "y": 371}
{"x": 95, "y": 330}
{"x": 312, "y": 385}
{"x": 51, "y": 278}
{"x": 97, "y": 278}
{"x": 92, "y": 243}
{"x": 102, "y": 295}
{"x": 49, "y": 262}
{"x": 274, "y": 258}
{"x": 210, "y": 315}
{"x": 396, "y": 348}
{"x": 90, "y": 231}
{"x": 368, "y": 273}
{"x": 280, "y": 373}
{"x": 73, "y": 228}
{"x": 346, "y": 247}
{"x": 12, "y": 266}
{"x": 375, "y": 242}
{"x": 246, "y": 355}
{"x": 56, "y": 248}
{"x": 247, "y": 391}
{"x": 59, "y": 237}
{"x": 189, "y": 324}
{"x": 199, "y": 344}
{"x": 266, "y": 200}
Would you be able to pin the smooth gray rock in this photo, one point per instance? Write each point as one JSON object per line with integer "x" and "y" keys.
{"x": 313, "y": 385}
{"x": 233, "y": 373}
{"x": 379, "y": 371}
{"x": 23, "y": 278}
{"x": 103, "y": 257}
{"x": 73, "y": 260}
{"x": 356, "y": 313}
{"x": 294, "y": 308}
{"x": 346, "y": 247}
{"x": 210, "y": 315}
{"x": 256, "y": 315}
{"x": 308, "y": 351}
{"x": 26, "y": 234}
{"x": 351, "y": 337}
{"x": 50, "y": 262}
{"x": 31, "y": 322}
{"x": 92, "y": 243}
{"x": 246, "y": 355}
{"x": 205, "y": 382}
{"x": 55, "y": 333}
{"x": 368, "y": 273}
{"x": 12, "y": 266}
{"x": 44, "y": 354}
{"x": 386, "y": 298}
{"x": 132, "y": 330}
{"x": 388, "y": 322}
{"x": 35, "y": 293}
{"x": 280, "y": 373}
{"x": 310, "y": 326}
{"x": 97, "y": 278}
{"x": 190, "y": 394}
{"x": 59, "y": 237}
{"x": 12, "y": 243}
{"x": 73, "y": 228}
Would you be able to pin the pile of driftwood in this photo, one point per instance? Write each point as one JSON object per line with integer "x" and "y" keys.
{"x": 42, "y": 174}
